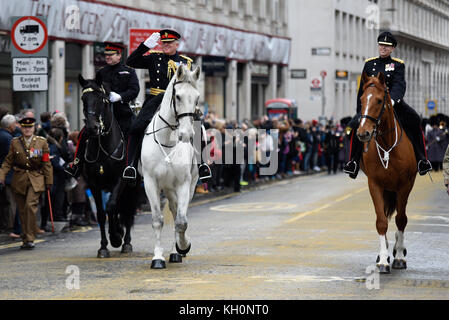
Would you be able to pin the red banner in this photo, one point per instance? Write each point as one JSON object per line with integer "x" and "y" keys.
{"x": 137, "y": 36}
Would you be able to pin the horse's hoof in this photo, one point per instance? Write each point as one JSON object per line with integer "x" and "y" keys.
{"x": 103, "y": 253}
{"x": 158, "y": 264}
{"x": 383, "y": 268}
{"x": 116, "y": 241}
{"x": 183, "y": 252}
{"x": 127, "y": 248}
{"x": 399, "y": 264}
{"x": 175, "y": 258}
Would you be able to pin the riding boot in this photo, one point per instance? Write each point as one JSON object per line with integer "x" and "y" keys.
{"x": 134, "y": 143}
{"x": 74, "y": 168}
{"x": 352, "y": 167}
{"x": 418, "y": 141}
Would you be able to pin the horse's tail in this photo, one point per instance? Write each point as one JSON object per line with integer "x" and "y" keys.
{"x": 390, "y": 201}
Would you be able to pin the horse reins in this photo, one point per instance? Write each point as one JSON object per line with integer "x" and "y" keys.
{"x": 177, "y": 117}
{"x": 385, "y": 160}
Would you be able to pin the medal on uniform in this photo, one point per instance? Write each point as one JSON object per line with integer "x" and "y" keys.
{"x": 389, "y": 67}
{"x": 34, "y": 153}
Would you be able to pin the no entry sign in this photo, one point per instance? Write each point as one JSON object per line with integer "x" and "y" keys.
{"x": 29, "y": 35}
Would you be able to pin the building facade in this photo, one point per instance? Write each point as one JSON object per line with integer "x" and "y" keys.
{"x": 242, "y": 46}
{"x": 336, "y": 36}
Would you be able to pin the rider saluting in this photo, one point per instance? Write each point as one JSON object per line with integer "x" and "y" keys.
{"x": 162, "y": 66}
{"x": 394, "y": 70}
{"x": 124, "y": 87}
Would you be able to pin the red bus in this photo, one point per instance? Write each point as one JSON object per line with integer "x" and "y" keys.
{"x": 282, "y": 106}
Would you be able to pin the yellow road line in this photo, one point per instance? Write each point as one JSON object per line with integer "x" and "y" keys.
{"x": 361, "y": 190}
{"x": 344, "y": 198}
{"x": 18, "y": 244}
{"x": 304, "y": 214}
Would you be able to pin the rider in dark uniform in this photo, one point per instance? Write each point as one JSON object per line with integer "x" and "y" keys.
{"x": 124, "y": 85}
{"x": 394, "y": 70}
{"x": 162, "y": 66}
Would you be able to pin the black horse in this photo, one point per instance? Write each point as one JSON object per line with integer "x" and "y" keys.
{"x": 105, "y": 159}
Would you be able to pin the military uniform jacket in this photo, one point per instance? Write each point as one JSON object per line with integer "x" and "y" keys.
{"x": 30, "y": 164}
{"x": 122, "y": 80}
{"x": 394, "y": 71}
{"x": 161, "y": 67}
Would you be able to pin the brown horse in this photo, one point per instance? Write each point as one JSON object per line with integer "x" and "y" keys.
{"x": 390, "y": 165}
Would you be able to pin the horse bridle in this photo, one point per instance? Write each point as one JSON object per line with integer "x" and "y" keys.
{"x": 377, "y": 121}
{"x": 106, "y": 100}
{"x": 177, "y": 116}
{"x": 104, "y": 132}
{"x": 384, "y": 160}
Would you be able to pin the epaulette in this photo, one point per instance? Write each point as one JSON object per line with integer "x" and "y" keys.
{"x": 185, "y": 57}
{"x": 370, "y": 59}
{"x": 398, "y": 60}
{"x": 42, "y": 138}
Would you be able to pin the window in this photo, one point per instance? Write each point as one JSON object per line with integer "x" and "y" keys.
{"x": 235, "y": 6}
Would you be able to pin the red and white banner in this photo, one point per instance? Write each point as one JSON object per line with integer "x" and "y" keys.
{"x": 98, "y": 21}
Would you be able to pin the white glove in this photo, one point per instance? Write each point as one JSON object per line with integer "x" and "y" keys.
{"x": 114, "y": 97}
{"x": 392, "y": 102}
{"x": 152, "y": 40}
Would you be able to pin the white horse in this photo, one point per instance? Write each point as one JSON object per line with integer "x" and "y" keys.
{"x": 168, "y": 160}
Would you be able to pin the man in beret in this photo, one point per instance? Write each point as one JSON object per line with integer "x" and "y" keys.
{"x": 394, "y": 71}
{"x": 162, "y": 66}
{"x": 124, "y": 85}
{"x": 29, "y": 157}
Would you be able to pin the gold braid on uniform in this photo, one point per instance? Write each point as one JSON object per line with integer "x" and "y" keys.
{"x": 171, "y": 68}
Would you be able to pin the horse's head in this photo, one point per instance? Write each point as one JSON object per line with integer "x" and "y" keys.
{"x": 185, "y": 98}
{"x": 95, "y": 104}
{"x": 374, "y": 101}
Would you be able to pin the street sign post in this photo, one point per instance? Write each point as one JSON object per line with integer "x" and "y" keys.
{"x": 323, "y": 95}
{"x": 29, "y": 53}
{"x": 431, "y": 107}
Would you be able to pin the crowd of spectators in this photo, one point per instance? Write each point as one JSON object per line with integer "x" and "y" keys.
{"x": 68, "y": 197}
{"x": 301, "y": 147}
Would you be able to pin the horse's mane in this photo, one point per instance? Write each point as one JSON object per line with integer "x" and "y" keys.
{"x": 374, "y": 81}
{"x": 97, "y": 85}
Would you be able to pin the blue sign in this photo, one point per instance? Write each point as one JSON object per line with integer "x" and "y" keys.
{"x": 431, "y": 105}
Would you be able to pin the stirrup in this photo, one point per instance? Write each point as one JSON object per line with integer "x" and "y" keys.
{"x": 129, "y": 173}
{"x": 427, "y": 168}
{"x": 346, "y": 170}
{"x": 73, "y": 169}
{"x": 204, "y": 167}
